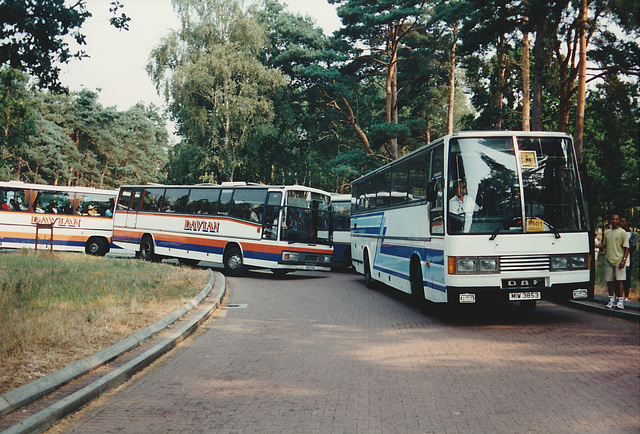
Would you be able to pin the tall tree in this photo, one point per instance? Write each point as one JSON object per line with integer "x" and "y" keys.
{"x": 526, "y": 70}
{"x": 612, "y": 146}
{"x": 449, "y": 16}
{"x": 17, "y": 117}
{"x": 293, "y": 146}
{"x": 491, "y": 27}
{"x": 49, "y": 155}
{"x": 216, "y": 86}
{"x": 34, "y": 35}
{"x": 381, "y": 28}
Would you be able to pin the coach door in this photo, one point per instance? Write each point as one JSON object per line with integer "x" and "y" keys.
{"x": 132, "y": 214}
{"x": 434, "y": 275}
{"x": 272, "y": 215}
{"x": 126, "y": 212}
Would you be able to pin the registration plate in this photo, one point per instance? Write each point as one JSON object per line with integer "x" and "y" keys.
{"x": 580, "y": 293}
{"x": 467, "y": 298}
{"x": 520, "y": 296}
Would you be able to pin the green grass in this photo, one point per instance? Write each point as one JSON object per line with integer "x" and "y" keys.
{"x": 56, "y": 308}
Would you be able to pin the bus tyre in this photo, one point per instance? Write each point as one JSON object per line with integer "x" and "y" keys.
{"x": 368, "y": 279}
{"x": 96, "y": 247}
{"x": 147, "y": 249}
{"x": 233, "y": 262}
{"x": 417, "y": 286}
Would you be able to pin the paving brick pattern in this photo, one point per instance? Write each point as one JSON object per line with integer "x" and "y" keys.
{"x": 321, "y": 353}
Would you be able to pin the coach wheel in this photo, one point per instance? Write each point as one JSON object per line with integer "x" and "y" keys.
{"x": 147, "y": 249}
{"x": 417, "y": 285}
{"x": 96, "y": 247}
{"x": 368, "y": 280}
{"x": 233, "y": 265}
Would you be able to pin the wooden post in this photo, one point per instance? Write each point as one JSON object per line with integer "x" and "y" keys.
{"x": 44, "y": 226}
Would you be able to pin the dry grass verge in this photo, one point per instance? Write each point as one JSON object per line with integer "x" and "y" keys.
{"x": 57, "y": 308}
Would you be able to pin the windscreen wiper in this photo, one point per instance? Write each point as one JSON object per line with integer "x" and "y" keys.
{"x": 499, "y": 228}
{"x": 552, "y": 227}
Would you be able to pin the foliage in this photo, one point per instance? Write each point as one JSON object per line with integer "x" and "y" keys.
{"x": 612, "y": 158}
{"x": 217, "y": 87}
{"x": 34, "y": 36}
{"x": 74, "y": 140}
{"x": 261, "y": 94}
{"x": 377, "y": 32}
{"x": 17, "y": 115}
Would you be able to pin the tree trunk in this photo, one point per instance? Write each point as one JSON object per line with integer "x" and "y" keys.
{"x": 538, "y": 70}
{"x": 391, "y": 104}
{"x": 19, "y": 167}
{"x": 502, "y": 66}
{"x": 564, "y": 96}
{"x": 582, "y": 80}
{"x": 526, "y": 82}
{"x": 452, "y": 80}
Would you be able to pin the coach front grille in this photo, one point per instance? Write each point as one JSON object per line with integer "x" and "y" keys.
{"x": 525, "y": 263}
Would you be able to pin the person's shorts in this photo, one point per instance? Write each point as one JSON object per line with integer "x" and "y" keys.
{"x": 612, "y": 273}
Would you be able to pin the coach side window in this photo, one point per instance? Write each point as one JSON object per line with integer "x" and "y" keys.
{"x": 55, "y": 202}
{"x": 383, "y": 182}
{"x": 225, "y": 202}
{"x": 370, "y": 193}
{"x": 152, "y": 199}
{"x": 399, "y": 183}
{"x": 124, "y": 200}
{"x": 13, "y": 200}
{"x": 418, "y": 177}
{"x": 203, "y": 201}
{"x": 248, "y": 204}
{"x": 355, "y": 202}
{"x": 175, "y": 200}
{"x": 94, "y": 205}
{"x": 135, "y": 200}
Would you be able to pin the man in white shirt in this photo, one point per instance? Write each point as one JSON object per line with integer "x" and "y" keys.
{"x": 460, "y": 203}
{"x": 461, "y": 207}
{"x": 456, "y": 203}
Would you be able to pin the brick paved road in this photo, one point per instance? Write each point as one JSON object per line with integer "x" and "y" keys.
{"x": 321, "y": 353}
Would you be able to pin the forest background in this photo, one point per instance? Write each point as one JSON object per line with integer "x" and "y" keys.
{"x": 260, "y": 94}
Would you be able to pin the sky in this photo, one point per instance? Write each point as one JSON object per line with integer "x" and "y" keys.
{"x": 116, "y": 66}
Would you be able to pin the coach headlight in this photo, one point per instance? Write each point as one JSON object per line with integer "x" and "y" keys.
{"x": 570, "y": 262}
{"x": 473, "y": 265}
{"x": 466, "y": 265}
{"x": 579, "y": 262}
{"x": 560, "y": 263}
{"x": 489, "y": 265}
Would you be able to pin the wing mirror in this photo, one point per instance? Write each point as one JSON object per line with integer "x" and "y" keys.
{"x": 433, "y": 187}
